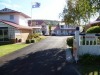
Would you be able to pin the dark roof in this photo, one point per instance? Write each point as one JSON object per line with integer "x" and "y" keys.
{"x": 7, "y": 11}
{"x": 55, "y": 27}
{"x": 15, "y": 25}
{"x": 98, "y": 19}
{"x": 47, "y": 22}
{"x": 39, "y": 22}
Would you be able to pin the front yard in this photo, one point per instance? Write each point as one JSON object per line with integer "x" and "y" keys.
{"x": 6, "y": 49}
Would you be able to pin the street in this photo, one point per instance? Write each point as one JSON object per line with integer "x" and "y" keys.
{"x": 44, "y": 58}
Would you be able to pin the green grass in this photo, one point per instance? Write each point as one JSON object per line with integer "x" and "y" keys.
{"x": 90, "y": 70}
{"x": 6, "y": 49}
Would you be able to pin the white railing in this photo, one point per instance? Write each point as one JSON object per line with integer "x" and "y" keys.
{"x": 89, "y": 44}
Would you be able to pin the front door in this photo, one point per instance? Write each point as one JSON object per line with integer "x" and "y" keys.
{"x": 4, "y": 34}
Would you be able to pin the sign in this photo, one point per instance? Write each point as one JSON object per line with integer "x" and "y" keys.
{"x": 90, "y": 37}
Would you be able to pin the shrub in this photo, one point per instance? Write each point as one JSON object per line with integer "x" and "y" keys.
{"x": 88, "y": 59}
{"x": 32, "y": 41}
{"x": 35, "y": 35}
{"x": 94, "y": 29}
{"x": 28, "y": 41}
{"x": 70, "y": 41}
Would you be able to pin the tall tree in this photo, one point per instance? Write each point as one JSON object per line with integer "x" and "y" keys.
{"x": 76, "y": 11}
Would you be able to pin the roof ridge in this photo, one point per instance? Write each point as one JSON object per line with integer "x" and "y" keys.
{"x": 7, "y": 10}
{"x": 15, "y": 25}
{"x": 9, "y": 21}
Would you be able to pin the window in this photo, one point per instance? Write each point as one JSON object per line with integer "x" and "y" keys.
{"x": 62, "y": 26}
{"x": 4, "y": 34}
{"x": 61, "y": 31}
{"x": 11, "y": 17}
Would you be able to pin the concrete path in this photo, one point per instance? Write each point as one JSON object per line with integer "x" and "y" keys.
{"x": 71, "y": 66}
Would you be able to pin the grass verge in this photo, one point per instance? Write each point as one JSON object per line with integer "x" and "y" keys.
{"x": 6, "y": 49}
{"x": 9, "y": 48}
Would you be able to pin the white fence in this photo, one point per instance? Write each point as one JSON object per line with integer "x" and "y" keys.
{"x": 88, "y": 43}
{"x": 94, "y": 50}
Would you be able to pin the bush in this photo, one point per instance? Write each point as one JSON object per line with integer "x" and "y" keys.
{"x": 88, "y": 59}
{"x": 28, "y": 41}
{"x": 70, "y": 41}
{"x": 32, "y": 41}
{"x": 94, "y": 29}
{"x": 35, "y": 35}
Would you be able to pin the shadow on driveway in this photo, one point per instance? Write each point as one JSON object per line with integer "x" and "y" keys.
{"x": 44, "y": 62}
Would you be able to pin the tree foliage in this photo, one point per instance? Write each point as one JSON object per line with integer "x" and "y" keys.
{"x": 94, "y": 29}
{"x": 76, "y": 11}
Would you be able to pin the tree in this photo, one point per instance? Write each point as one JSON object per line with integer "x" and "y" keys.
{"x": 79, "y": 10}
{"x": 50, "y": 29}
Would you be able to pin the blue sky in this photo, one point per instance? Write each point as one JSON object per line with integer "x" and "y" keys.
{"x": 49, "y": 9}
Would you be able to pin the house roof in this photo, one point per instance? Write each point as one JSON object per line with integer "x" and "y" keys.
{"x": 96, "y": 21}
{"x": 15, "y": 25}
{"x": 36, "y": 27}
{"x": 46, "y": 22}
{"x": 55, "y": 27}
{"x": 8, "y": 11}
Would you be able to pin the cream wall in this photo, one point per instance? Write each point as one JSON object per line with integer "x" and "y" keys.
{"x": 19, "y": 19}
{"x": 7, "y": 17}
{"x": 25, "y": 34}
{"x": 23, "y": 21}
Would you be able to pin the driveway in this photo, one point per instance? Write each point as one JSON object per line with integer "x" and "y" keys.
{"x": 44, "y": 58}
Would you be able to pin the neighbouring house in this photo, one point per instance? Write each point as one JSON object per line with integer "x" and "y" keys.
{"x": 95, "y": 23}
{"x": 13, "y": 26}
{"x": 63, "y": 29}
{"x": 42, "y": 25}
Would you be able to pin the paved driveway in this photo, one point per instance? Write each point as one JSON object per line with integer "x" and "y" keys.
{"x": 44, "y": 58}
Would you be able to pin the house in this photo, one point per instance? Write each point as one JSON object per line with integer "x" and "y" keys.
{"x": 42, "y": 25}
{"x": 95, "y": 23}
{"x": 13, "y": 26}
{"x": 62, "y": 29}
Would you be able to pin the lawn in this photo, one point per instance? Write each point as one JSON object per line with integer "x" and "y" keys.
{"x": 6, "y": 49}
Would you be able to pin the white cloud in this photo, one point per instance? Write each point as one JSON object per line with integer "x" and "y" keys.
{"x": 51, "y": 10}
{"x": 16, "y": 6}
{"x": 10, "y": 5}
{"x": 9, "y": 1}
{"x": 5, "y": 4}
{"x": 5, "y": 1}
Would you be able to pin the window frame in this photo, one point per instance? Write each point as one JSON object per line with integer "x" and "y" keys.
{"x": 11, "y": 17}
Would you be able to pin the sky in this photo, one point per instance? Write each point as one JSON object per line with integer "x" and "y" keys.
{"x": 49, "y": 9}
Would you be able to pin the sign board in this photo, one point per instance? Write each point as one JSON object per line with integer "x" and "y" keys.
{"x": 90, "y": 37}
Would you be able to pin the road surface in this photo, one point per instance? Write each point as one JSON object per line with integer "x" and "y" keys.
{"x": 44, "y": 58}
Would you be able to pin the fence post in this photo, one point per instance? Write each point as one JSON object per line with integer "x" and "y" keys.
{"x": 77, "y": 38}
